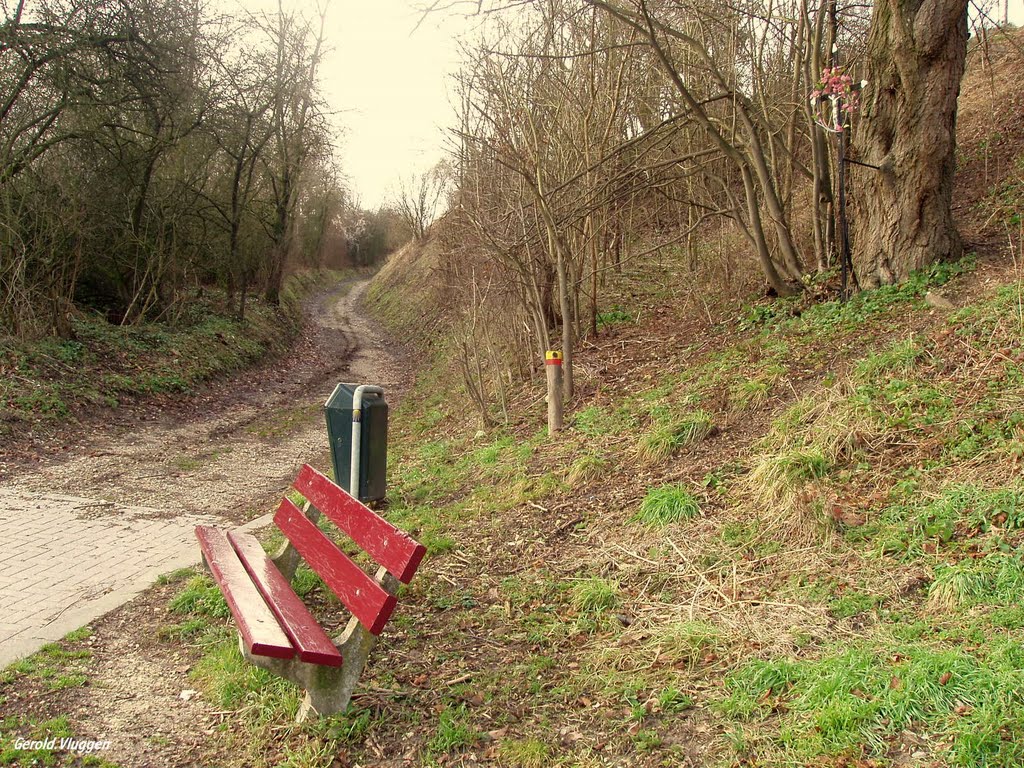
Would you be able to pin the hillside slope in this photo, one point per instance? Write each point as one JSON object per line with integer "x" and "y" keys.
{"x": 787, "y": 536}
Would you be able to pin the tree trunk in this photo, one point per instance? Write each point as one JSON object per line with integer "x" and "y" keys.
{"x": 903, "y": 220}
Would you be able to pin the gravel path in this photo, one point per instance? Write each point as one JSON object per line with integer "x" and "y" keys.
{"x": 229, "y": 452}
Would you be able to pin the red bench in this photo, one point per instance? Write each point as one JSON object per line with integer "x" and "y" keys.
{"x": 276, "y": 630}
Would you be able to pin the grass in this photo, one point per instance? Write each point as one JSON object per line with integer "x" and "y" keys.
{"x": 586, "y": 469}
{"x": 614, "y": 316}
{"x": 454, "y": 733}
{"x": 232, "y": 682}
{"x": 55, "y": 665}
{"x": 594, "y": 596}
{"x": 49, "y": 380}
{"x": 753, "y": 392}
{"x": 676, "y": 644}
{"x": 778, "y": 476}
{"x": 526, "y": 753}
{"x": 857, "y": 700}
{"x": 33, "y": 730}
{"x": 824, "y": 320}
{"x": 670, "y": 436}
{"x": 996, "y": 579}
{"x": 595, "y": 421}
{"x": 899, "y": 358}
{"x": 949, "y": 518}
{"x": 201, "y": 596}
{"x": 665, "y": 505}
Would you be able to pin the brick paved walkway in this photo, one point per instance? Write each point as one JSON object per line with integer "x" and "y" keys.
{"x": 65, "y": 561}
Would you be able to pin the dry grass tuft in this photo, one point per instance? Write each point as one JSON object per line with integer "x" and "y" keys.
{"x": 660, "y": 443}
{"x": 804, "y": 445}
{"x": 676, "y": 643}
{"x": 586, "y": 469}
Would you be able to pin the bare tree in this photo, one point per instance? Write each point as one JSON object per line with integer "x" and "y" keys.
{"x": 420, "y": 196}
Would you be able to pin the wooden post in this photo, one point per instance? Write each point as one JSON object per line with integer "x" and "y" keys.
{"x": 553, "y": 366}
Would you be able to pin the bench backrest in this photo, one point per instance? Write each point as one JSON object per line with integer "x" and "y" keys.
{"x": 392, "y": 549}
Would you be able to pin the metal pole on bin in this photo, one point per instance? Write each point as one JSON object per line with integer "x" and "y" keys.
{"x": 553, "y": 365}
{"x": 357, "y": 429}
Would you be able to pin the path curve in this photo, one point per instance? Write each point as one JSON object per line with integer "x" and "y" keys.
{"x": 89, "y": 528}
{"x": 238, "y": 448}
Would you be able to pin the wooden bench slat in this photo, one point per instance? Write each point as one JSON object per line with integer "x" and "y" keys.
{"x": 365, "y": 598}
{"x": 260, "y": 631}
{"x": 390, "y": 547}
{"x": 306, "y": 635}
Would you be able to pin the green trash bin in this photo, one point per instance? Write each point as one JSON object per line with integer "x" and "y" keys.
{"x": 373, "y": 440}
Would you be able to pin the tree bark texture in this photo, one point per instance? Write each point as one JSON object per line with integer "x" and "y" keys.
{"x": 903, "y": 219}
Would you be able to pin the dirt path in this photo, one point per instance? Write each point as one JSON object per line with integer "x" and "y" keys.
{"x": 229, "y": 451}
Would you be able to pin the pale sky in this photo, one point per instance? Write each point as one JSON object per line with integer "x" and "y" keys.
{"x": 390, "y": 85}
{"x": 387, "y": 81}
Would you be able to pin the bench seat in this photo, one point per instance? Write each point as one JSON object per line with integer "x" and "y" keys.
{"x": 272, "y": 620}
{"x": 276, "y": 629}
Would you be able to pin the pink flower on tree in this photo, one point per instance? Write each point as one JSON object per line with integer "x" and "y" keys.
{"x": 836, "y": 88}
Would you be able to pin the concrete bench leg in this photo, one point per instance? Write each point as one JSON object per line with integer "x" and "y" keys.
{"x": 328, "y": 689}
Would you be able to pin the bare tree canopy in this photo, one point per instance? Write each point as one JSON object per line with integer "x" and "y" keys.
{"x": 149, "y": 147}
{"x": 593, "y": 130}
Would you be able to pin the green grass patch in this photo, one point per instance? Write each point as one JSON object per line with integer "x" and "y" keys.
{"x": 57, "y": 666}
{"x": 595, "y": 421}
{"x": 425, "y": 524}
{"x": 953, "y": 516}
{"x": 201, "y": 596}
{"x": 667, "y": 504}
{"x": 232, "y": 682}
{"x": 586, "y": 469}
{"x": 188, "y": 630}
{"x": 175, "y": 576}
{"x": 858, "y": 701}
{"x": 454, "y": 732}
{"x": 824, "y": 319}
{"x": 594, "y": 596}
{"x": 851, "y": 602}
{"x": 614, "y": 316}
{"x": 12, "y": 728}
{"x": 525, "y": 753}
{"x": 900, "y": 357}
{"x": 997, "y": 579}
{"x": 49, "y": 379}
{"x": 753, "y": 391}
{"x": 77, "y": 635}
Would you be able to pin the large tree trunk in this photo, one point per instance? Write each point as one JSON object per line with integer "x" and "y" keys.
{"x": 902, "y": 218}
